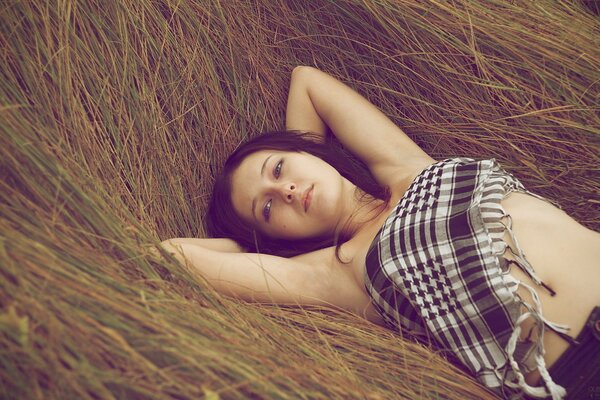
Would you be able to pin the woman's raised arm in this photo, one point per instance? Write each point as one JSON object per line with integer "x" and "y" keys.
{"x": 317, "y": 100}
{"x": 219, "y": 244}
{"x": 250, "y": 276}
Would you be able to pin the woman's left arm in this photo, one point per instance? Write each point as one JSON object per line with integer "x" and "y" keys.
{"x": 317, "y": 100}
{"x": 223, "y": 245}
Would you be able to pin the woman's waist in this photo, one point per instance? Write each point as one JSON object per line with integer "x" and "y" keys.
{"x": 562, "y": 252}
{"x": 563, "y": 255}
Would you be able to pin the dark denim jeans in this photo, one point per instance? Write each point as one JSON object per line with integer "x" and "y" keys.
{"x": 578, "y": 368}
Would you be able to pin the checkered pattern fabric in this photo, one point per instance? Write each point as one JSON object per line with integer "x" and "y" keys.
{"x": 435, "y": 267}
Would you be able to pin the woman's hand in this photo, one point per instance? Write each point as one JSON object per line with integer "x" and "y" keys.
{"x": 317, "y": 101}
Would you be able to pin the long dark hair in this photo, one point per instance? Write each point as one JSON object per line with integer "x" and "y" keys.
{"x": 222, "y": 221}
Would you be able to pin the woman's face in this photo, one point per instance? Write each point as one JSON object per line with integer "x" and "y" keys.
{"x": 290, "y": 195}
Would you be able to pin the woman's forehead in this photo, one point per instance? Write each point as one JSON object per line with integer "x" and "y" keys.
{"x": 253, "y": 161}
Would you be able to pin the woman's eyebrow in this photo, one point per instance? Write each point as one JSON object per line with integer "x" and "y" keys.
{"x": 262, "y": 170}
{"x": 262, "y": 173}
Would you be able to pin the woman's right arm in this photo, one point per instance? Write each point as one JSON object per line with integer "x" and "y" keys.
{"x": 249, "y": 276}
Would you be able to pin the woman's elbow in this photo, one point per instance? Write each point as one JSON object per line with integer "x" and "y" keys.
{"x": 298, "y": 68}
{"x": 301, "y": 71}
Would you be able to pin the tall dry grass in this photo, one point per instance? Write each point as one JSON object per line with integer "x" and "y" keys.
{"x": 115, "y": 116}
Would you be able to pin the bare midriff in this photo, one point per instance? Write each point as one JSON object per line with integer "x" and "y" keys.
{"x": 565, "y": 256}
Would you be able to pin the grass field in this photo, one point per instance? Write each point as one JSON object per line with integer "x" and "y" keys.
{"x": 115, "y": 117}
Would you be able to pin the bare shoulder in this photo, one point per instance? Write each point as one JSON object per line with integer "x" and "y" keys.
{"x": 322, "y": 257}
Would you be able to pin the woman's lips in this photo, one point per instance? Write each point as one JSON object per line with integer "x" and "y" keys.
{"x": 307, "y": 197}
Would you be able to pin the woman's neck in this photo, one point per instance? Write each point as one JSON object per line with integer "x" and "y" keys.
{"x": 361, "y": 212}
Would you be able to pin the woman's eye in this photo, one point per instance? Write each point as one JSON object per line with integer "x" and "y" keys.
{"x": 277, "y": 169}
{"x": 267, "y": 210}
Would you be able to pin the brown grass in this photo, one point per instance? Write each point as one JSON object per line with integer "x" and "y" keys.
{"x": 114, "y": 119}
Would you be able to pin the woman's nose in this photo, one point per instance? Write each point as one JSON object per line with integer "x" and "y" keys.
{"x": 288, "y": 191}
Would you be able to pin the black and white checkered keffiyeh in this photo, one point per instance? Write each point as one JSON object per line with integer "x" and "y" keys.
{"x": 436, "y": 267}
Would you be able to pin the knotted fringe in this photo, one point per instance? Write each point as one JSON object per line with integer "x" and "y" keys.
{"x": 499, "y": 186}
{"x": 552, "y": 389}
